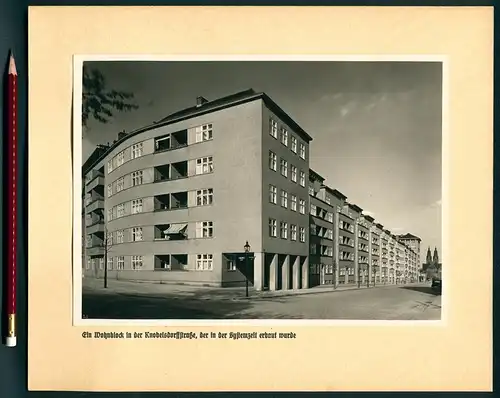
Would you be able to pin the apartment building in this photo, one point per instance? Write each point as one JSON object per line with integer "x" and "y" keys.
{"x": 321, "y": 230}
{"x": 177, "y": 200}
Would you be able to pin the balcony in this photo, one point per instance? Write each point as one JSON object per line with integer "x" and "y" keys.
{"x": 92, "y": 196}
{"x": 171, "y": 231}
{"x": 346, "y": 241}
{"x": 93, "y": 218}
{"x": 171, "y": 141}
{"x": 93, "y": 241}
{"x": 96, "y": 184}
{"x": 97, "y": 228}
{"x": 95, "y": 206}
{"x": 169, "y": 172}
{"x": 171, "y": 201}
{"x": 93, "y": 174}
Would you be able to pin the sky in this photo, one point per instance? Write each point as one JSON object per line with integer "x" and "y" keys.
{"x": 376, "y": 126}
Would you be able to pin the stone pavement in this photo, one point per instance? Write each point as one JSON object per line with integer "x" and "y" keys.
{"x": 215, "y": 293}
{"x": 126, "y": 300}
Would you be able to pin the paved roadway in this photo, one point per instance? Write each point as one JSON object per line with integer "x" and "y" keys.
{"x": 126, "y": 300}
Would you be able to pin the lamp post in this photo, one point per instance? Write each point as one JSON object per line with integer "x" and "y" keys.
{"x": 247, "y": 249}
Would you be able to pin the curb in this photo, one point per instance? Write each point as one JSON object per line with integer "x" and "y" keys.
{"x": 311, "y": 291}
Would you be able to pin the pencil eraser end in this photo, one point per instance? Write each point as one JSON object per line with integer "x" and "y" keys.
{"x": 11, "y": 341}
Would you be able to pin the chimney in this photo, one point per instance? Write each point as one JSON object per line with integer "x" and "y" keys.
{"x": 121, "y": 134}
{"x": 200, "y": 101}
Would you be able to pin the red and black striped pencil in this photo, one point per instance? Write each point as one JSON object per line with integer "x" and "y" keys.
{"x": 12, "y": 203}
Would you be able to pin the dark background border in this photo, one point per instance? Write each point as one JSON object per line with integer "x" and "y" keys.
{"x": 13, "y": 35}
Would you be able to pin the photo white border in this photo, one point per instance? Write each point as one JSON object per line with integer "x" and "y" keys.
{"x": 77, "y": 74}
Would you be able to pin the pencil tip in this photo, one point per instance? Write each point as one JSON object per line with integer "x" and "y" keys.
{"x": 12, "y": 65}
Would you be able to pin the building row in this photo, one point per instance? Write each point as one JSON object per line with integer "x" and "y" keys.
{"x": 177, "y": 201}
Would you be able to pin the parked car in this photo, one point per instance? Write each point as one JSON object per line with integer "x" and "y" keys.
{"x": 436, "y": 283}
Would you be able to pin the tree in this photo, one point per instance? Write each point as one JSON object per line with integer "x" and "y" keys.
{"x": 107, "y": 244}
{"x": 99, "y": 102}
{"x": 334, "y": 272}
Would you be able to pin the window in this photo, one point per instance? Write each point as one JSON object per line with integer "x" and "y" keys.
{"x": 284, "y": 230}
{"x": 293, "y": 232}
{"x": 204, "y": 262}
{"x": 313, "y": 230}
{"x": 284, "y": 199}
{"x": 204, "y": 197}
{"x": 204, "y": 133}
{"x": 302, "y": 151}
{"x": 137, "y": 206}
{"x": 329, "y": 234}
{"x": 137, "y": 178}
{"x": 272, "y": 160}
{"x": 273, "y": 228}
{"x": 273, "y": 194}
{"x": 294, "y": 144}
{"x": 293, "y": 203}
{"x": 205, "y": 229}
{"x": 311, "y": 190}
{"x": 302, "y": 206}
{"x": 312, "y": 248}
{"x": 119, "y": 236}
{"x": 136, "y": 234}
{"x": 120, "y": 210}
{"x": 284, "y": 136}
{"x": 302, "y": 179}
{"x": 314, "y": 209}
{"x": 342, "y": 272}
{"x": 273, "y": 128}
{"x": 136, "y": 262}
{"x": 88, "y": 241}
{"x": 328, "y": 199}
{"x": 329, "y": 217}
{"x": 230, "y": 265}
{"x": 137, "y": 150}
{"x": 110, "y": 166}
{"x": 120, "y": 184}
{"x": 110, "y": 262}
{"x": 204, "y": 165}
{"x": 101, "y": 263}
{"x": 110, "y": 190}
{"x": 87, "y": 264}
{"x": 294, "y": 173}
{"x": 284, "y": 167}
{"x": 120, "y": 262}
{"x": 302, "y": 234}
{"x": 110, "y": 214}
{"x": 120, "y": 159}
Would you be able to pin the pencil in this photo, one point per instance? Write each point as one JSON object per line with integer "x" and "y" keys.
{"x": 12, "y": 203}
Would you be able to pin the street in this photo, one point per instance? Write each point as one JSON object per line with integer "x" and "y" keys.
{"x": 128, "y": 300}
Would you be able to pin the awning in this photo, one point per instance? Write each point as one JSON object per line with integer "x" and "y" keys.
{"x": 175, "y": 229}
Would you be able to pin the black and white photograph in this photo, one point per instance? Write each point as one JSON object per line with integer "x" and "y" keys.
{"x": 259, "y": 189}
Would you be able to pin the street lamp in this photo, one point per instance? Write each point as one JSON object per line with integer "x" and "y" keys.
{"x": 247, "y": 249}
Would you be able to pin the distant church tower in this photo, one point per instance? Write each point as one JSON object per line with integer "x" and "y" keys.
{"x": 428, "y": 260}
{"x": 435, "y": 258}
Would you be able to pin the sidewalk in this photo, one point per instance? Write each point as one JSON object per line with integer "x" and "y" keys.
{"x": 213, "y": 293}
{"x": 323, "y": 289}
